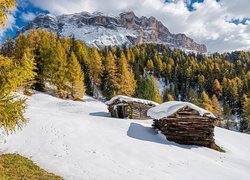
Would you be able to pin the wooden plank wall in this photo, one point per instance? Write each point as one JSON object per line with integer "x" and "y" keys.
{"x": 187, "y": 127}
{"x": 136, "y": 110}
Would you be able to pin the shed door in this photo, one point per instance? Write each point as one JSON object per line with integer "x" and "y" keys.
{"x": 122, "y": 111}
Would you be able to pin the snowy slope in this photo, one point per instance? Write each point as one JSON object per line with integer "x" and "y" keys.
{"x": 78, "y": 140}
{"x": 99, "y": 36}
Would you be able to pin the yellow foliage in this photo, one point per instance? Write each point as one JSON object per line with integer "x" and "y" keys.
{"x": 5, "y": 7}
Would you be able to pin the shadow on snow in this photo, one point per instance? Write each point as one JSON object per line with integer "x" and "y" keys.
{"x": 137, "y": 131}
{"x": 100, "y": 114}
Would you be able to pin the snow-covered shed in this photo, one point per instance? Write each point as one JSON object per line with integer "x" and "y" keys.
{"x": 184, "y": 123}
{"x": 128, "y": 107}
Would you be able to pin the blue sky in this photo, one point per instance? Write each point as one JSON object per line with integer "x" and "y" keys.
{"x": 20, "y": 21}
{"x": 223, "y": 25}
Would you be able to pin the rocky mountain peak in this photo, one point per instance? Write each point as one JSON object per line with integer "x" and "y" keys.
{"x": 98, "y": 29}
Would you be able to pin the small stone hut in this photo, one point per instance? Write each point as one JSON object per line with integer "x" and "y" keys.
{"x": 128, "y": 107}
{"x": 184, "y": 123}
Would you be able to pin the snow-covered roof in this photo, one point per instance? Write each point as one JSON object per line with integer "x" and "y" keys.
{"x": 130, "y": 99}
{"x": 171, "y": 107}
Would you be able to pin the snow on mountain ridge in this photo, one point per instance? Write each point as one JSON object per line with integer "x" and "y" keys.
{"x": 102, "y": 30}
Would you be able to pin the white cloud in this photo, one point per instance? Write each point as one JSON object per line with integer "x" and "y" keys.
{"x": 28, "y": 16}
{"x": 22, "y": 4}
{"x": 208, "y": 23}
{"x": 236, "y": 8}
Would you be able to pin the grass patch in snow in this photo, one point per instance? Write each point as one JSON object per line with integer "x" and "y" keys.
{"x": 14, "y": 166}
{"x": 218, "y": 148}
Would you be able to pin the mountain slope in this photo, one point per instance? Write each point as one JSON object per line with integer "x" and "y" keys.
{"x": 101, "y": 30}
{"x": 77, "y": 140}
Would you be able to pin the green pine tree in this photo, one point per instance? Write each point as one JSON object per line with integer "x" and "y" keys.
{"x": 20, "y": 46}
{"x": 7, "y": 48}
{"x": 44, "y": 59}
{"x": 193, "y": 97}
{"x": 145, "y": 89}
{"x": 245, "y": 122}
{"x": 227, "y": 113}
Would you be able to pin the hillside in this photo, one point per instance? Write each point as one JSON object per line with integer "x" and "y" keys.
{"x": 78, "y": 140}
{"x": 102, "y": 30}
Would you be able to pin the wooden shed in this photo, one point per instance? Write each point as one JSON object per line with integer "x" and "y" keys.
{"x": 128, "y": 107}
{"x": 184, "y": 123}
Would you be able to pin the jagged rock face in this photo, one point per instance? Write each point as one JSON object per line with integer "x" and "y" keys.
{"x": 100, "y": 30}
{"x": 48, "y": 22}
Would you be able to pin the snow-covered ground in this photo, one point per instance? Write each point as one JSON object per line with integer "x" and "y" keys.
{"x": 78, "y": 141}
